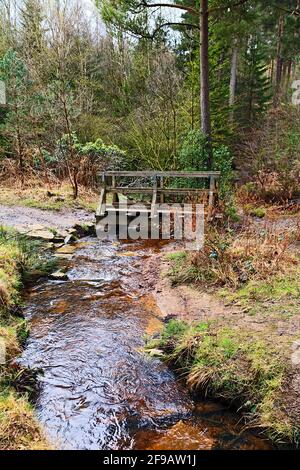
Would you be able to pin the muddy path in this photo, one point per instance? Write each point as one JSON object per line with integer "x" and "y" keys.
{"x": 18, "y": 216}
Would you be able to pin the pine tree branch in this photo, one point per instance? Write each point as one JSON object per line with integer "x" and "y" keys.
{"x": 190, "y": 25}
{"x": 233, "y": 5}
{"x": 295, "y": 12}
{"x": 170, "y": 5}
{"x": 190, "y": 9}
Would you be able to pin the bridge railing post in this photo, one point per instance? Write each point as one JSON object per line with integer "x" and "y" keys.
{"x": 154, "y": 198}
{"x": 161, "y": 186}
{"x": 103, "y": 193}
{"x": 115, "y": 194}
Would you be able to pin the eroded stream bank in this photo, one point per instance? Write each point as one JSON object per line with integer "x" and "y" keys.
{"x": 98, "y": 390}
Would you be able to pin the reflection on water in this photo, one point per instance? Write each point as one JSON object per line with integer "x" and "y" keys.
{"x": 97, "y": 389}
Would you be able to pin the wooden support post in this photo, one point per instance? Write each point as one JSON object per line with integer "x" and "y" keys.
{"x": 211, "y": 197}
{"x": 162, "y": 196}
{"x": 154, "y": 198}
{"x": 115, "y": 195}
{"x": 100, "y": 212}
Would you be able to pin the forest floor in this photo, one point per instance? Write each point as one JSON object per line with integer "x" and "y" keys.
{"x": 55, "y": 197}
{"x": 254, "y": 324}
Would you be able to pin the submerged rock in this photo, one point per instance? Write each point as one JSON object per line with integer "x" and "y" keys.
{"x": 182, "y": 436}
{"x": 69, "y": 238}
{"x": 85, "y": 229}
{"x": 59, "y": 276}
{"x": 61, "y": 235}
{"x": 66, "y": 250}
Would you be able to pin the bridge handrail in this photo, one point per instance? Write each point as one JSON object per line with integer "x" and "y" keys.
{"x": 167, "y": 174}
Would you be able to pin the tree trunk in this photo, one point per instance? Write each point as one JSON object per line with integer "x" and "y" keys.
{"x": 288, "y": 74}
{"x": 233, "y": 77}
{"x": 204, "y": 79}
{"x": 75, "y": 185}
{"x": 20, "y": 153}
{"x": 272, "y": 72}
{"x": 279, "y": 62}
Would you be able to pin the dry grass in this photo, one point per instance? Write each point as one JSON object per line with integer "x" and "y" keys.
{"x": 10, "y": 263}
{"x": 4, "y": 296}
{"x": 57, "y": 196}
{"x": 268, "y": 188}
{"x": 234, "y": 259}
{"x": 8, "y": 334}
{"x": 253, "y": 203}
{"x": 19, "y": 429}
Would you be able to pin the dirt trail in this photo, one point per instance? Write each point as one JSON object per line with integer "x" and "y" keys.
{"x": 18, "y": 216}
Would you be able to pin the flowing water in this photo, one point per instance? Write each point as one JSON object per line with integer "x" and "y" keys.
{"x": 97, "y": 389}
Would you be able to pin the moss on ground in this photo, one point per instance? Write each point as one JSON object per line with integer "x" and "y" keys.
{"x": 234, "y": 365}
{"x": 18, "y": 427}
{"x": 259, "y": 212}
{"x": 277, "y": 296}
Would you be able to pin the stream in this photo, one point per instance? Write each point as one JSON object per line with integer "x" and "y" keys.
{"x": 97, "y": 389}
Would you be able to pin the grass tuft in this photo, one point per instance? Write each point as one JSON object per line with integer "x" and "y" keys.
{"x": 233, "y": 365}
{"x": 18, "y": 429}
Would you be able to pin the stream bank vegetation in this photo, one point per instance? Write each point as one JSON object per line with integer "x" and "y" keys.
{"x": 233, "y": 256}
{"x": 249, "y": 356}
{"x": 19, "y": 429}
{"x": 234, "y": 365}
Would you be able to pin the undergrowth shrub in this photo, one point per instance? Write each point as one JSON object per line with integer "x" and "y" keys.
{"x": 193, "y": 156}
{"x": 89, "y": 158}
{"x": 270, "y": 156}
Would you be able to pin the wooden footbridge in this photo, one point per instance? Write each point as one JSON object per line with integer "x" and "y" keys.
{"x": 162, "y": 187}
